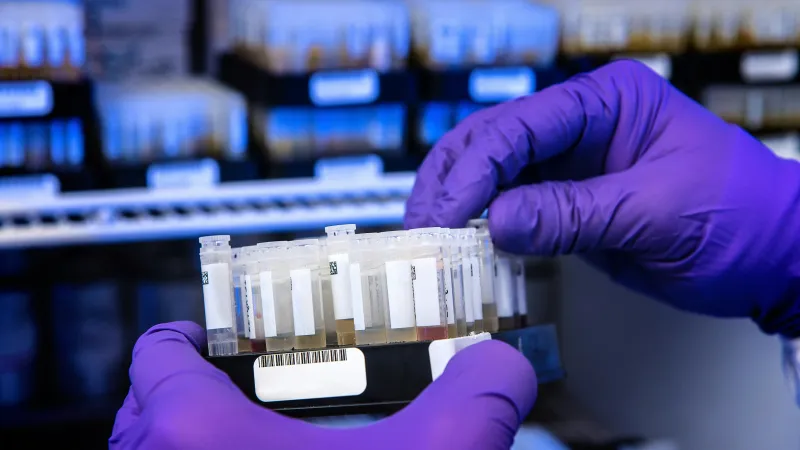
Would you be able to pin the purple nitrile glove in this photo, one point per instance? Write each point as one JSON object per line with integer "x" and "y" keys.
{"x": 621, "y": 167}
{"x": 177, "y": 400}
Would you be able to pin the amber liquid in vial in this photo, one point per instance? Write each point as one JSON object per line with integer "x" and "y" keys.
{"x": 345, "y": 332}
{"x": 490, "y": 322}
{"x": 327, "y": 305}
{"x": 371, "y": 336}
{"x": 401, "y": 334}
{"x": 431, "y": 333}
{"x": 316, "y": 340}
{"x": 452, "y": 331}
{"x": 478, "y": 326}
{"x": 280, "y": 343}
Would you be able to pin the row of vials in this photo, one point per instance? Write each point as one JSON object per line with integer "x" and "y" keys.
{"x": 359, "y": 289}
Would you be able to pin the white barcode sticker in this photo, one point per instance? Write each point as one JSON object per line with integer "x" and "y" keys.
{"x": 401, "y": 297}
{"x": 308, "y": 375}
{"x": 268, "y": 304}
{"x": 302, "y": 302}
{"x": 250, "y": 301}
{"x": 339, "y": 265}
{"x": 505, "y": 288}
{"x": 217, "y": 296}
{"x": 448, "y": 292}
{"x": 344, "y": 88}
{"x": 425, "y": 284}
{"x": 466, "y": 278}
{"x": 441, "y": 351}
{"x": 477, "y": 286}
{"x": 357, "y": 297}
{"x": 522, "y": 288}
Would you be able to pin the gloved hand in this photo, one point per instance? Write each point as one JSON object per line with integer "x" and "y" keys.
{"x": 177, "y": 400}
{"x": 621, "y": 167}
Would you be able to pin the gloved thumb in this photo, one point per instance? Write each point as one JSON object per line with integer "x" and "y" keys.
{"x": 561, "y": 217}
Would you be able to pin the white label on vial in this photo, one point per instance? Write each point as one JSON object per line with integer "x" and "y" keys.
{"x": 302, "y": 302}
{"x": 401, "y": 299}
{"x": 268, "y": 304}
{"x": 448, "y": 292}
{"x": 313, "y": 374}
{"x": 477, "y": 294}
{"x": 217, "y": 296}
{"x": 243, "y": 305}
{"x": 339, "y": 265}
{"x": 522, "y": 290}
{"x": 25, "y": 98}
{"x": 769, "y": 66}
{"x": 505, "y": 288}
{"x": 604, "y": 31}
{"x": 466, "y": 278}
{"x": 247, "y": 284}
{"x": 425, "y": 283}
{"x": 357, "y": 297}
{"x": 501, "y": 83}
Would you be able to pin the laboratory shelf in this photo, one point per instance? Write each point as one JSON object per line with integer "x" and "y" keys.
{"x": 485, "y": 85}
{"x": 324, "y": 88}
{"x": 37, "y": 99}
{"x": 124, "y": 215}
{"x": 369, "y": 379}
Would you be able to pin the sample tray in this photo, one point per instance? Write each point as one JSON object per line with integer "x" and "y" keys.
{"x": 324, "y": 88}
{"x": 368, "y": 379}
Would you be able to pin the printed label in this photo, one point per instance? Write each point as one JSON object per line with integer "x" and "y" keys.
{"x": 344, "y": 88}
{"x": 448, "y": 292}
{"x": 25, "y": 98}
{"x": 186, "y": 175}
{"x": 401, "y": 297}
{"x": 268, "y": 304}
{"x": 604, "y": 31}
{"x": 477, "y": 304}
{"x": 757, "y": 67}
{"x": 466, "y": 277}
{"x": 425, "y": 282}
{"x": 217, "y": 296}
{"x": 308, "y": 375}
{"x": 238, "y": 286}
{"x": 505, "y": 288}
{"x": 357, "y": 297}
{"x": 501, "y": 83}
{"x": 247, "y": 284}
{"x": 302, "y": 302}
{"x": 339, "y": 266}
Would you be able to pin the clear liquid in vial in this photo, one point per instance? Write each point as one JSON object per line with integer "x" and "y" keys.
{"x": 283, "y": 342}
{"x": 331, "y": 337}
{"x": 401, "y": 334}
{"x": 371, "y": 336}
{"x": 477, "y": 327}
{"x": 490, "y": 322}
{"x": 316, "y": 340}
{"x": 374, "y": 294}
{"x": 284, "y": 317}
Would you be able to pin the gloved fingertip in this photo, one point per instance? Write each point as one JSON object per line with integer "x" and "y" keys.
{"x": 191, "y": 332}
{"x": 496, "y": 368}
{"x": 512, "y": 221}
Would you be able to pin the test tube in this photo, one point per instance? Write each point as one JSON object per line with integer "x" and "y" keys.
{"x": 522, "y": 291}
{"x": 455, "y": 301}
{"x": 470, "y": 267}
{"x": 487, "y": 268}
{"x": 276, "y": 296}
{"x": 251, "y": 287}
{"x": 215, "y": 268}
{"x": 327, "y": 294}
{"x": 402, "y": 320}
{"x": 505, "y": 291}
{"x": 240, "y": 306}
{"x": 309, "y": 321}
{"x": 368, "y": 289}
{"x": 427, "y": 283}
{"x": 338, "y": 242}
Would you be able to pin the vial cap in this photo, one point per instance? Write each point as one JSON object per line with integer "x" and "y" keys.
{"x": 478, "y": 223}
{"x": 431, "y": 230}
{"x": 215, "y": 240}
{"x": 273, "y": 244}
{"x": 304, "y": 242}
{"x": 340, "y": 230}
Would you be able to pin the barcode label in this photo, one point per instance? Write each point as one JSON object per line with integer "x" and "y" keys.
{"x": 293, "y": 359}
{"x": 303, "y": 375}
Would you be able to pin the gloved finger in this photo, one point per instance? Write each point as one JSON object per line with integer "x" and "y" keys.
{"x": 127, "y": 415}
{"x": 478, "y": 402}
{"x": 562, "y": 217}
{"x": 573, "y": 123}
{"x": 168, "y": 355}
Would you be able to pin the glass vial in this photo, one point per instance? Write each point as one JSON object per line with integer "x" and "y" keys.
{"x": 237, "y": 278}
{"x": 427, "y": 283}
{"x": 487, "y": 261}
{"x": 327, "y": 295}
{"x": 368, "y": 288}
{"x": 470, "y": 265}
{"x": 402, "y": 320}
{"x": 522, "y": 291}
{"x": 251, "y": 287}
{"x": 306, "y": 292}
{"x": 338, "y": 242}
{"x": 505, "y": 289}
{"x": 276, "y": 296}
{"x": 455, "y": 301}
{"x": 215, "y": 268}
